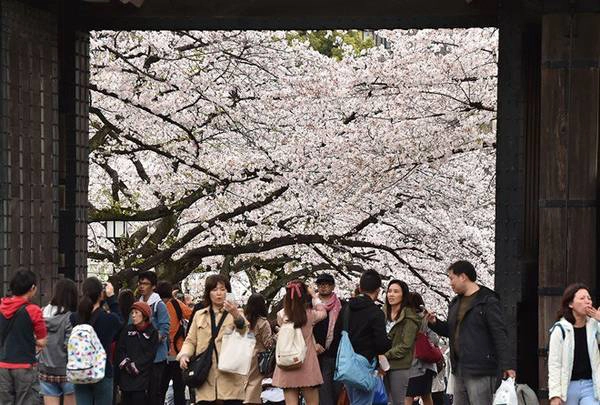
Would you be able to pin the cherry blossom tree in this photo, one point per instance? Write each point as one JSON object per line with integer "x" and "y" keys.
{"x": 253, "y": 154}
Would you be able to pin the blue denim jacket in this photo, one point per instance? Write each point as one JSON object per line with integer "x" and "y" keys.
{"x": 161, "y": 321}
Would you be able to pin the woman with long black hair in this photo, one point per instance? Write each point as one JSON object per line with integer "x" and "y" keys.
{"x": 53, "y": 358}
{"x": 107, "y": 326}
{"x": 256, "y": 314}
{"x": 421, "y": 373}
{"x": 402, "y": 324}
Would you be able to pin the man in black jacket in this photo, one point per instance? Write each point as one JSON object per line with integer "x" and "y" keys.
{"x": 478, "y": 338}
{"x": 366, "y": 328}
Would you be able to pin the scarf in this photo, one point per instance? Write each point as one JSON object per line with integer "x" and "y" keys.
{"x": 142, "y": 326}
{"x": 333, "y": 307}
{"x": 153, "y": 299}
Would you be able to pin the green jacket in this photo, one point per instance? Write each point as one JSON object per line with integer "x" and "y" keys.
{"x": 403, "y": 336}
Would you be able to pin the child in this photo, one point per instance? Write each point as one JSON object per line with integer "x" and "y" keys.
{"x": 135, "y": 354}
{"x": 22, "y": 329}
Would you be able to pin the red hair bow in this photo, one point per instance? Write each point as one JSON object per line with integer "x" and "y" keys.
{"x": 294, "y": 289}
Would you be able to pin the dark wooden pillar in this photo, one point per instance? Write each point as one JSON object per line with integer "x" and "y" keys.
{"x": 28, "y": 142}
{"x": 568, "y": 200}
{"x": 73, "y": 50}
{"x": 516, "y": 185}
{"x": 43, "y": 142}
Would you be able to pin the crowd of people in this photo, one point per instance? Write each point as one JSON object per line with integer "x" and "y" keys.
{"x": 96, "y": 347}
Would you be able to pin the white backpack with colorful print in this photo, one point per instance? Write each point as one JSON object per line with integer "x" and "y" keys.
{"x": 86, "y": 357}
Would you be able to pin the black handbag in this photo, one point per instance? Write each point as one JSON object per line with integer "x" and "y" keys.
{"x": 199, "y": 365}
{"x": 266, "y": 362}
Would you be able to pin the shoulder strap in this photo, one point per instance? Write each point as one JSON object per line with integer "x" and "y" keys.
{"x": 177, "y": 309}
{"x": 215, "y": 329}
{"x": 346, "y": 318}
{"x": 11, "y": 322}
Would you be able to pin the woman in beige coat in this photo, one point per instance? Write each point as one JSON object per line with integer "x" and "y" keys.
{"x": 219, "y": 386}
{"x": 256, "y": 313}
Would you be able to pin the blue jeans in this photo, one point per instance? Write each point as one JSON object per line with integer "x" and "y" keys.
{"x": 56, "y": 389}
{"x": 581, "y": 392}
{"x": 356, "y": 396}
{"x": 100, "y": 393}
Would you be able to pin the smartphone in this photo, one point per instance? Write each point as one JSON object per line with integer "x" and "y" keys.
{"x": 422, "y": 308}
{"x": 231, "y": 298}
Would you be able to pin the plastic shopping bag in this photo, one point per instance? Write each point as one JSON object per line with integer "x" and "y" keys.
{"x": 380, "y": 396}
{"x": 236, "y": 353}
{"x": 506, "y": 394}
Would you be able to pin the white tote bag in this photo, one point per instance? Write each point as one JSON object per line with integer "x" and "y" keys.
{"x": 236, "y": 353}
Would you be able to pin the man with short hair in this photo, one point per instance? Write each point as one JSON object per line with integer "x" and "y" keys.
{"x": 179, "y": 315}
{"x": 478, "y": 338}
{"x": 323, "y": 332}
{"x": 22, "y": 329}
{"x": 160, "y": 320}
{"x": 366, "y": 329}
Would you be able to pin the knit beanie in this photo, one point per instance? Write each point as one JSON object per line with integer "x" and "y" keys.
{"x": 143, "y": 308}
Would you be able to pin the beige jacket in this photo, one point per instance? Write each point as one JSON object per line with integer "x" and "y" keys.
{"x": 219, "y": 385}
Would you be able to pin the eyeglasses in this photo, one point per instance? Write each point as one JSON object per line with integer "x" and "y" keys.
{"x": 144, "y": 283}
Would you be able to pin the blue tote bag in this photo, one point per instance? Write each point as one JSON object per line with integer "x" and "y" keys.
{"x": 351, "y": 368}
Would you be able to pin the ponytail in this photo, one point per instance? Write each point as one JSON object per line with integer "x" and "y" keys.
{"x": 92, "y": 291}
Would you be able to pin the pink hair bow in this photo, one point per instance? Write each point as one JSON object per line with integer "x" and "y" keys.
{"x": 295, "y": 289}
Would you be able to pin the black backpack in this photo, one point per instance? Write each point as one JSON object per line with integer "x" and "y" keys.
{"x": 183, "y": 324}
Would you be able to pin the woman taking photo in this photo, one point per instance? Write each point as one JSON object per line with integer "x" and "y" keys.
{"x": 219, "y": 386}
{"x": 297, "y": 310}
{"x": 256, "y": 313}
{"x": 402, "y": 324}
{"x": 107, "y": 325}
{"x": 53, "y": 359}
{"x": 421, "y": 373}
{"x": 573, "y": 356}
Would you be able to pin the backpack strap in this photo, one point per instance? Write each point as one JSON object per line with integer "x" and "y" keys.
{"x": 154, "y": 312}
{"x": 180, "y": 331}
{"x": 546, "y": 350}
{"x": 11, "y": 323}
{"x": 562, "y": 329}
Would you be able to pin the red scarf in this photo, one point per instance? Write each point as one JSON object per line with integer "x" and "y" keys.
{"x": 140, "y": 327}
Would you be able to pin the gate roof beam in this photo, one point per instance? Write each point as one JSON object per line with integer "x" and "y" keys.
{"x": 286, "y": 14}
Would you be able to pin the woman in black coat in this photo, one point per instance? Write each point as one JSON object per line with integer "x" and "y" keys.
{"x": 135, "y": 353}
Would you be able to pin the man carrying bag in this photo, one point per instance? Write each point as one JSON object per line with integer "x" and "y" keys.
{"x": 363, "y": 339}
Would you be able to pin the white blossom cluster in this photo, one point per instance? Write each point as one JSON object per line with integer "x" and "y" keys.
{"x": 403, "y": 134}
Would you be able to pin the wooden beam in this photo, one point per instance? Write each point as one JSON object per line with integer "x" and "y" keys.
{"x": 285, "y": 14}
